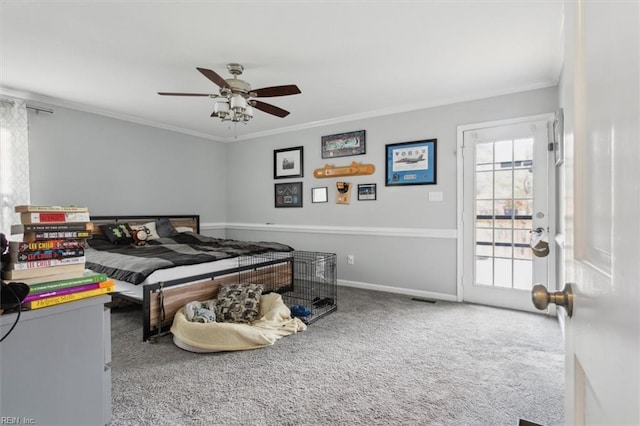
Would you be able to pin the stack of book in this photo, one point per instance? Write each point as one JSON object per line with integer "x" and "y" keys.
{"x": 50, "y": 256}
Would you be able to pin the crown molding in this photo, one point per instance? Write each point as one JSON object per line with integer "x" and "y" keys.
{"x": 250, "y": 136}
{"x": 28, "y": 96}
{"x": 394, "y": 110}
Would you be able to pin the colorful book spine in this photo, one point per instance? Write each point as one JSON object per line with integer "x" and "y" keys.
{"x": 27, "y": 208}
{"x": 61, "y": 292}
{"x": 57, "y": 300}
{"x": 21, "y": 266}
{"x": 35, "y": 255}
{"x": 57, "y": 235}
{"x": 22, "y": 246}
{"x": 52, "y": 227}
{"x": 70, "y": 282}
{"x": 54, "y": 217}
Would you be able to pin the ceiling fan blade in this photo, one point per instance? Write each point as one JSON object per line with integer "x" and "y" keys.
{"x": 269, "y": 109}
{"x": 269, "y": 92}
{"x": 213, "y": 76}
{"x": 183, "y": 94}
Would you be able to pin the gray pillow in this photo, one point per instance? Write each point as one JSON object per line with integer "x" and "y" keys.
{"x": 164, "y": 228}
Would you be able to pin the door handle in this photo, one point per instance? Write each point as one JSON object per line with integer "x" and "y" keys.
{"x": 541, "y": 298}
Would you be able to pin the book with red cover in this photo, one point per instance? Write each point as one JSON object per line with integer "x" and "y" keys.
{"x": 35, "y": 255}
{"x": 36, "y": 264}
{"x": 25, "y": 246}
{"x": 53, "y": 217}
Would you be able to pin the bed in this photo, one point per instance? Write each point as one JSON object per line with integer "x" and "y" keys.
{"x": 178, "y": 265}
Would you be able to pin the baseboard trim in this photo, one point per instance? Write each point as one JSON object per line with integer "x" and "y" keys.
{"x": 347, "y": 230}
{"x": 398, "y": 290}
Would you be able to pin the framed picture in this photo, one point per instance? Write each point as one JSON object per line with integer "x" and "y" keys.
{"x": 288, "y": 163}
{"x": 344, "y": 144}
{"x": 288, "y": 194}
{"x": 319, "y": 195}
{"x": 366, "y": 192}
{"x": 558, "y": 137}
{"x": 411, "y": 163}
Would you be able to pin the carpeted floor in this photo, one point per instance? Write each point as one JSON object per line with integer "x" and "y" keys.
{"x": 381, "y": 359}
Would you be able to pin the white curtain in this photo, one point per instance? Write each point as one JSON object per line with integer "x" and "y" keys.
{"x": 14, "y": 161}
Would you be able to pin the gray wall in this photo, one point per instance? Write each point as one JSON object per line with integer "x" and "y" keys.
{"x": 422, "y": 265}
{"x": 402, "y": 242}
{"x": 119, "y": 167}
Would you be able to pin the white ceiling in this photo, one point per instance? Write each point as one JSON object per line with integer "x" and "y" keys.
{"x": 351, "y": 59}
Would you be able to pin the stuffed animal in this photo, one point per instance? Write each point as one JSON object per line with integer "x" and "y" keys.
{"x": 200, "y": 311}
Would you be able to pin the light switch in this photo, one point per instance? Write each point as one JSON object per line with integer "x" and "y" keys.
{"x": 435, "y": 196}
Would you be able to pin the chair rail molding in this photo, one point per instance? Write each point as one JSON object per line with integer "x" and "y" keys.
{"x": 345, "y": 230}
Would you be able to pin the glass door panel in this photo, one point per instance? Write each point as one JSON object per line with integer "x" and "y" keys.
{"x": 505, "y": 185}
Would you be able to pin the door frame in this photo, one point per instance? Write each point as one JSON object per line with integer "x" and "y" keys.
{"x": 552, "y": 210}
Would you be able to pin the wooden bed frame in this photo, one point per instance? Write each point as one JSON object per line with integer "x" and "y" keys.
{"x": 162, "y": 300}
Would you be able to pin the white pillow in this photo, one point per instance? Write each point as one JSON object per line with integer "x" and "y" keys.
{"x": 184, "y": 229}
{"x": 150, "y": 228}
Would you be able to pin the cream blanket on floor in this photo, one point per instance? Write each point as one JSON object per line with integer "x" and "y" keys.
{"x": 274, "y": 322}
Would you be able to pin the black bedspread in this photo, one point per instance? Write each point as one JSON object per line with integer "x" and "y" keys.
{"x": 135, "y": 263}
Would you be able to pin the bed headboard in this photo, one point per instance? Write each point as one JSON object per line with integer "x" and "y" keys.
{"x": 192, "y": 221}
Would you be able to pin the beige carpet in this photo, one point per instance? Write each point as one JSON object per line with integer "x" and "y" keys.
{"x": 380, "y": 359}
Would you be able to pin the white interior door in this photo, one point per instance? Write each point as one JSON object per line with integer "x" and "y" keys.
{"x": 506, "y": 185}
{"x": 601, "y": 208}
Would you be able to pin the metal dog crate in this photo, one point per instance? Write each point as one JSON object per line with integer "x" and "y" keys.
{"x": 274, "y": 270}
{"x": 309, "y": 285}
{"x": 315, "y": 285}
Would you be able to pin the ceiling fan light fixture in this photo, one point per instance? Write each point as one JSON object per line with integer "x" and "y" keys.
{"x": 238, "y": 103}
{"x": 248, "y": 113}
{"x": 221, "y": 109}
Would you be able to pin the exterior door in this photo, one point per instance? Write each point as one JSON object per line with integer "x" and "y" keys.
{"x": 600, "y": 193}
{"x": 505, "y": 199}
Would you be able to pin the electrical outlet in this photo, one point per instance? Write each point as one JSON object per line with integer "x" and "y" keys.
{"x": 351, "y": 259}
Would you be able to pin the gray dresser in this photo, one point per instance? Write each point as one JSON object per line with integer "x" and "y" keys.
{"x": 55, "y": 365}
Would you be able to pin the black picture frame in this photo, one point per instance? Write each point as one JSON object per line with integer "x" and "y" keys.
{"x": 288, "y": 194}
{"x": 411, "y": 163}
{"x": 344, "y": 144}
{"x": 288, "y": 163}
{"x": 367, "y": 192}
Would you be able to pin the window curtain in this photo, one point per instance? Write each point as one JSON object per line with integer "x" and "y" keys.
{"x": 14, "y": 161}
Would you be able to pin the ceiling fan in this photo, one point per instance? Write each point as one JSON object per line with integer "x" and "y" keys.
{"x": 235, "y": 102}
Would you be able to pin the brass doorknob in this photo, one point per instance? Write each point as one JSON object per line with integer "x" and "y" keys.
{"x": 541, "y": 297}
